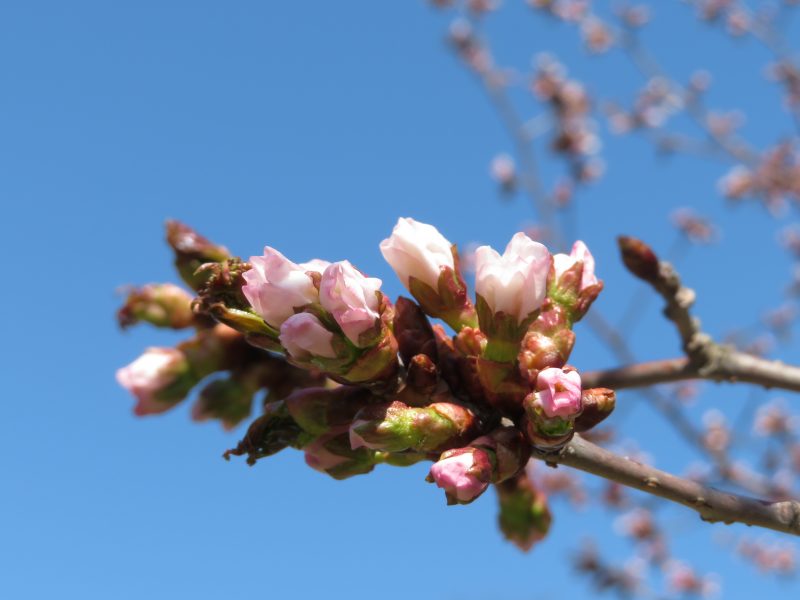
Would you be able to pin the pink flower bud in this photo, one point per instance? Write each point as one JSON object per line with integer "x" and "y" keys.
{"x": 303, "y": 335}
{"x": 516, "y": 282}
{"x": 320, "y": 458}
{"x": 276, "y": 286}
{"x": 580, "y": 252}
{"x": 351, "y": 298}
{"x": 559, "y": 392}
{"x": 455, "y": 474}
{"x": 149, "y": 374}
{"x": 417, "y": 250}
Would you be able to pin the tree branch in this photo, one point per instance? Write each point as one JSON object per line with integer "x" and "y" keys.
{"x": 712, "y": 505}
{"x": 728, "y": 366}
{"x": 705, "y": 359}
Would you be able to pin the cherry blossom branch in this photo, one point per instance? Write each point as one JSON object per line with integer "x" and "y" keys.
{"x": 729, "y": 366}
{"x": 712, "y": 505}
{"x": 705, "y": 359}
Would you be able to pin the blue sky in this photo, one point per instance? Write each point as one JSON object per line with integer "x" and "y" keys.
{"x": 310, "y": 127}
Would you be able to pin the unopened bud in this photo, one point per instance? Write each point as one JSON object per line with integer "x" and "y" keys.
{"x": 221, "y": 296}
{"x": 159, "y": 379}
{"x": 191, "y": 251}
{"x": 551, "y": 410}
{"x": 573, "y": 283}
{"x": 160, "y": 304}
{"x": 396, "y": 427}
{"x": 598, "y": 403}
{"x": 639, "y": 258}
{"x": 539, "y": 351}
{"x": 331, "y": 453}
{"x": 319, "y": 410}
{"x": 524, "y": 515}
{"x": 503, "y": 385}
{"x": 412, "y": 330}
{"x": 465, "y": 473}
{"x": 427, "y": 264}
{"x": 422, "y": 375}
{"x": 229, "y": 400}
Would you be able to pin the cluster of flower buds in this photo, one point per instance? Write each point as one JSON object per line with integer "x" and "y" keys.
{"x": 355, "y": 381}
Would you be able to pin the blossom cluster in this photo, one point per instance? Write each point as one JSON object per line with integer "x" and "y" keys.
{"x": 355, "y": 380}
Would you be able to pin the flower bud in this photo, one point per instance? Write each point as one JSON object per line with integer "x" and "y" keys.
{"x": 229, "y": 400}
{"x": 539, "y": 351}
{"x": 354, "y": 301}
{"x": 276, "y": 287}
{"x": 376, "y": 367}
{"x": 459, "y": 371}
{"x": 552, "y": 409}
{"x": 422, "y": 376}
{"x": 319, "y": 410}
{"x": 162, "y": 377}
{"x": 331, "y": 453}
{"x": 413, "y": 330}
{"x": 463, "y": 474}
{"x": 158, "y": 379}
{"x": 503, "y": 385}
{"x": 221, "y": 297}
{"x": 511, "y": 289}
{"x": 639, "y": 258}
{"x": 427, "y": 264}
{"x": 514, "y": 283}
{"x": 305, "y": 337}
{"x": 395, "y": 427}
{"x": 191, "y": 251}
{"x": 524, "y": 515}
{"x": 579, "y": 254}
{"x": 574, "y": 284}
{"x": 597, "y": 403}
{"x": 511, "y": 451}
{"x": 417, "y": 250}
{"x": 160, "y": 304}
{"x": 559, "y": 392}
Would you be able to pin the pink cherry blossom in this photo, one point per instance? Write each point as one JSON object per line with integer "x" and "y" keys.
{"x": 417, "y": 250}
{"x": 303, "y": 335}
{"x": 351, "y": 298}
{"x": 152, "y": 372}
{"x": 516, "y": 282}
{"x": 559, "y": 392}
{"x": 580, "y": 252}
{"x": 453, "y": 475}
{"x": 275, "y": 286}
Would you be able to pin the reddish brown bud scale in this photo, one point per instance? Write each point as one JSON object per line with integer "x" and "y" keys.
{"x": 318, "y": 409}
{"x": 598, "y": 403}
{"x": 413, "y": 331}
{"x": 422, "y": 375}
{"x": 459, "y": 371}
{"x": 639, "y": 258}
{"x": 503, "y": 386}
{"x": 539, "y": 351}
{"x": 511, "y": 451}
{"x": 267, "y": 435}
{"x": 191, "y": 251}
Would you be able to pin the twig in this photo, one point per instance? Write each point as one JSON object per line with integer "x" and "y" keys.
{"x": 728, "y": 365}
{"x": 712, "y": 505}
{"x": 705, "y": 359}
